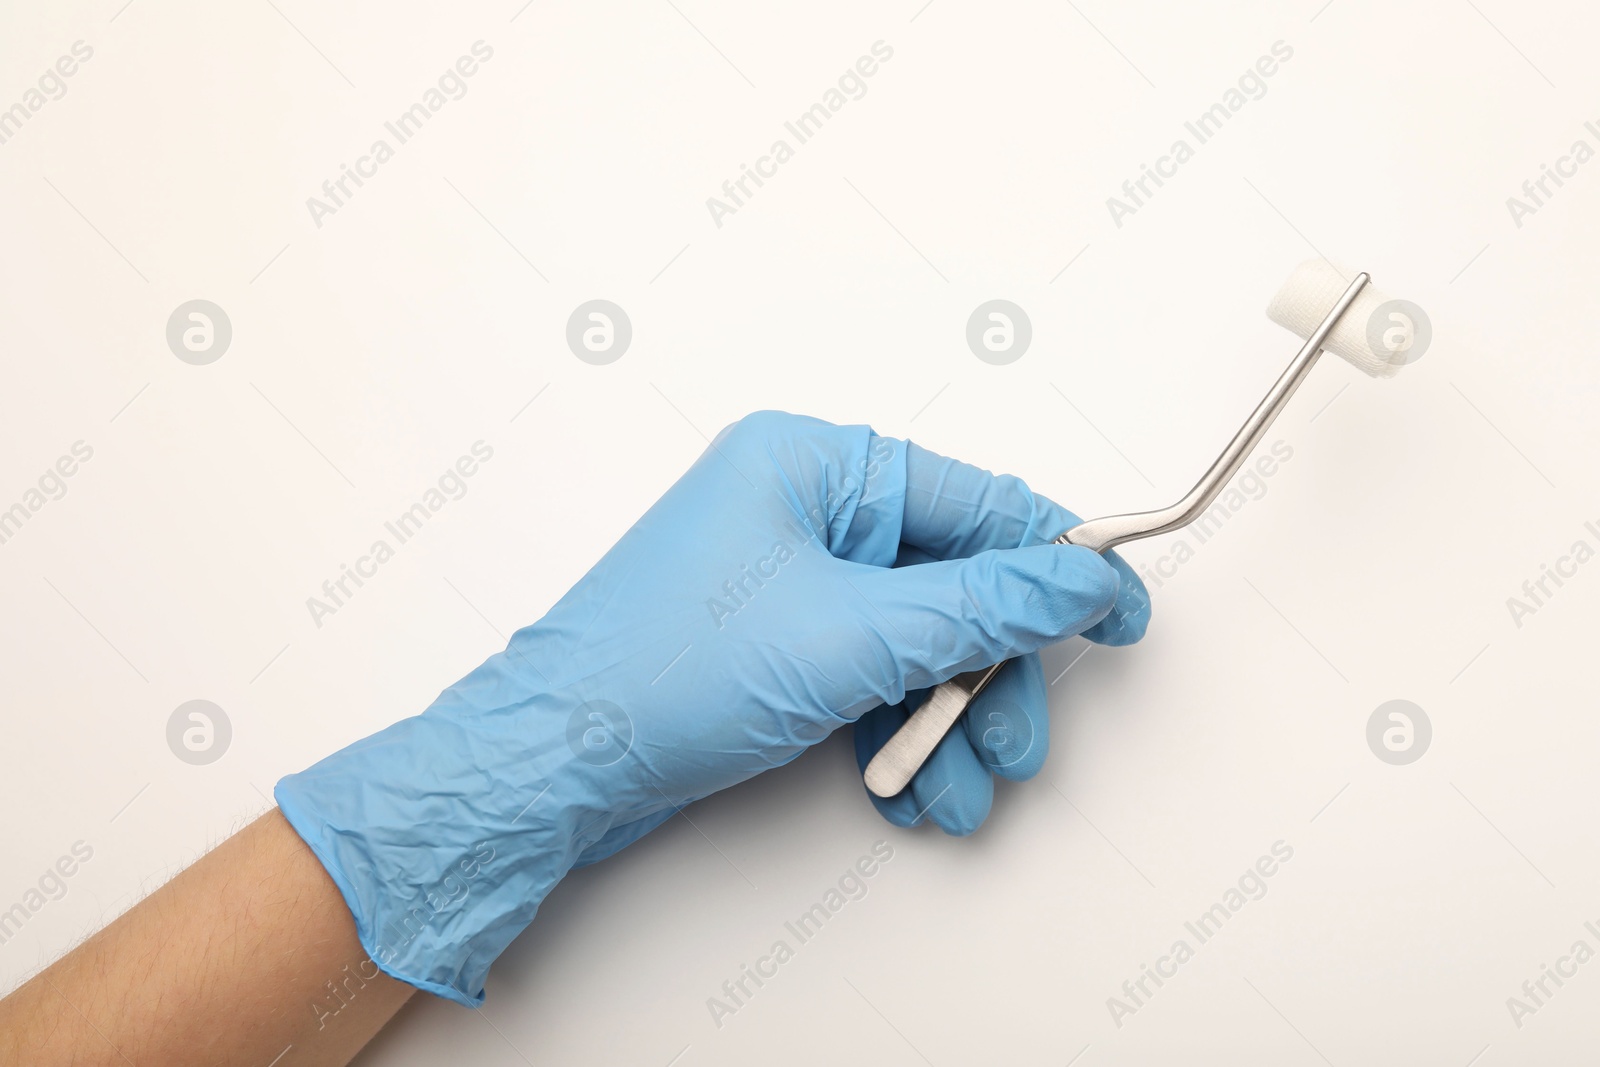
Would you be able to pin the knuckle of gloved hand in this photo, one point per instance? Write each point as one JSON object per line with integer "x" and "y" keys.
{"x": 1031, "y": 519}
{"x": 1013, "y": 509}
{"x": 759, "y": 426}
{"x": 1050, "y": 521}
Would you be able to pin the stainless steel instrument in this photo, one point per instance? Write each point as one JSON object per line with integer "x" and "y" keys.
{"x": 892, "y": 768}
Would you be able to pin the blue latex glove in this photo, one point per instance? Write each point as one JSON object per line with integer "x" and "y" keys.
{"x": 800, "y": 576}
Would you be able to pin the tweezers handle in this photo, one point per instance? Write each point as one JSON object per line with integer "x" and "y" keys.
{"x": 892, "y": 769}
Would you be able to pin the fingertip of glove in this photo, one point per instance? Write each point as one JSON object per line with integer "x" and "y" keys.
{"x": 959, "y": 812}
{"x": 1127, "y": 624}
{"x": 963, "y": 822}
{"x": 1084, "y": 585}
{"x": 1017, "y": 766}
{"x": 897, "y": 810}
{"x": 1129, "y": 618}
{"x": 1095, "y": 574}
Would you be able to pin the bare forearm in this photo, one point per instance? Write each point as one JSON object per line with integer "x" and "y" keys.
{"x": 246, "y": 953}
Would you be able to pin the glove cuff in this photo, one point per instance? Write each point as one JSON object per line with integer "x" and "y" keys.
{"x": 444, "y": 835}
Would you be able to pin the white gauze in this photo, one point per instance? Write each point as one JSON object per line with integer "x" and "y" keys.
{"x": 1308, "y": 296}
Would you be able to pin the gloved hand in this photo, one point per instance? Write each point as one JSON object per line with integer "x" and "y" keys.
{"x": 798, "y": 577}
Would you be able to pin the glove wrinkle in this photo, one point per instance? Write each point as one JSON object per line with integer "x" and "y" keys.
{"x": 751, "y": 611}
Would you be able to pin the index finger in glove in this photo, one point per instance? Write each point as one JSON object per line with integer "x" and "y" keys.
{"x": 954, "y": 510}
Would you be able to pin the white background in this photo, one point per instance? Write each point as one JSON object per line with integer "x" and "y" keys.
{"x": 370, "y": 352}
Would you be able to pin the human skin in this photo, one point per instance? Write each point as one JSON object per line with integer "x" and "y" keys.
{"x": 229, "y": 962}
{"x": 252, "y": 957}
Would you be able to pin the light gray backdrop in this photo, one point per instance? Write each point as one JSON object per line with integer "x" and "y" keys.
{"x": 374, "y": 343}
